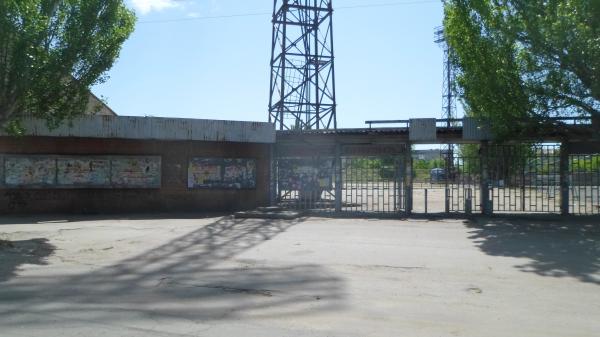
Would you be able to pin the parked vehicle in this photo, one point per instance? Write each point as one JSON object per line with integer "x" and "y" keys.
{"x": 437, "y": 175}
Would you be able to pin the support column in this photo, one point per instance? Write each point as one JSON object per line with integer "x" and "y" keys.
{"x": 564, "y": 179}
{"x": 486, "y": 205}
{"x": 272, "y": 176}
{"x": 338, "y": 177}
{"x": 408, "y": 180}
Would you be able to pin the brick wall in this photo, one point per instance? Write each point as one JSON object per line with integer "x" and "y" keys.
{"x": 173, "y": 195}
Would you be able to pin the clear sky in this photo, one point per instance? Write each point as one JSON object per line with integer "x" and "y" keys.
{"x": 178, "y": 63}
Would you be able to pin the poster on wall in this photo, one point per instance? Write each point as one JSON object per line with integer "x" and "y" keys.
{"x": 136, "y": 172}
{"x": 239, "y": 173}
{"x": 222, "y": 173}
{"x": 84, "y": 171}
{"x": 29, "y": 171}
{"x": 204, "y": 173}
{"x": 52, "y": 171}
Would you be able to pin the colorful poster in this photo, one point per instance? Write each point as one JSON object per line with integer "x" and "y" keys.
{"x": 136, "y": 172}
{"x": 89, "y": 172}
{"x": 29, "y": 171}
{"x": 203, "y": 173}
{"x": 239, "y": 173}
{"x": 222, "y": 173}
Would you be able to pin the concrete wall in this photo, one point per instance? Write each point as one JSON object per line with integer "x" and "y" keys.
{"x": 126, "y": 127}
{"x": 173, "y": 195}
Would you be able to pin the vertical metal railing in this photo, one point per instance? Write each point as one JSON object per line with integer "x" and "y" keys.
{"x": 464, "y": 180}
{"x": 351, "y": 184}
{"x": 372, "y": 184}
{"x": 584, "y": 184}
{"x": 524, "y": 178}
{"x": 306, "y": 183}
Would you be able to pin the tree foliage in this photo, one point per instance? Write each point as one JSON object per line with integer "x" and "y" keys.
{"x": 520, "y": 62}
{"x": 53, "y": 51}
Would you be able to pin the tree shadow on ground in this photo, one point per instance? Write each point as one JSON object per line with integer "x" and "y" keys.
{"x": 194, "y": 277}
{"x": 14, "y": 254}
{"x": 556, "y": 248}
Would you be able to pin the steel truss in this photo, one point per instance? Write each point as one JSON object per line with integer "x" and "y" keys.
{"x": 302, "y": 89}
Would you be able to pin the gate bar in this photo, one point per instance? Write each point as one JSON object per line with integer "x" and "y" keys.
{"x": 564, "y": 179}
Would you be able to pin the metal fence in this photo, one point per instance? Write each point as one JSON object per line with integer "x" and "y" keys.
{"x": 449, "y": 183}
{"x": 524, "y": 178}
{"x": 515, "y": 179}
{"x": 464, "y": 183}
{"x": 307, "y": 183}
{"x": 584, "y": 183}
{"x": 372, "y": 185}
{"x": 365, "y": 184}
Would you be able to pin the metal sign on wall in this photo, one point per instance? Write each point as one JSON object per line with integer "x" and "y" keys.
{"x": 52, "y": 171}
{"x": 221, "y": 173}
{"x": 423, "y": 129}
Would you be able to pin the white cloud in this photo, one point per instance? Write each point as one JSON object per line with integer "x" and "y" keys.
{"x": 147, "y": 6}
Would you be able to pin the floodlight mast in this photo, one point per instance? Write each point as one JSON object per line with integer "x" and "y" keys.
{"x": 302, "y": 87}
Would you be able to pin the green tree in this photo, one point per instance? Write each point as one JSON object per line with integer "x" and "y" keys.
{"x": 520, "y": 62}
{"x": 53, "y": 51}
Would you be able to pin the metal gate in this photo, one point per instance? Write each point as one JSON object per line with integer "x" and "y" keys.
{"x": 430, "y": 181}
{"x": 448, "y": 181}
{"x": 584, "y": 182}
{"x": 465, "y": 179}
{"x": 307, "y": 183}
{"x": 373, "y": 184}
{"x": 348, "y": 184}
{"x": 524, "y": 178}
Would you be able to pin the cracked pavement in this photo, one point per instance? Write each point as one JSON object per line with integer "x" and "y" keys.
{"x": 220, "y": 276}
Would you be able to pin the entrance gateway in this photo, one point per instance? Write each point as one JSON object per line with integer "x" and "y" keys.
{"x": 376, "y": 171}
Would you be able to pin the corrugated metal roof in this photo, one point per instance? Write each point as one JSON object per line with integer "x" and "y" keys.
{"x": 155, "y": 128}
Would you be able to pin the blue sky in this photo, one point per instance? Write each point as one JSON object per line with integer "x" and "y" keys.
{"x": 177, "y": 63}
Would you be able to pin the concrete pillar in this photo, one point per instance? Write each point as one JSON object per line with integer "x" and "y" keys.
{"x": 486, "y": 205}
{"x": 338, "y": 177}
{"x": 564, "y": 179}
{"x": 272, "y": 176}
{"x": 408, "y": 180}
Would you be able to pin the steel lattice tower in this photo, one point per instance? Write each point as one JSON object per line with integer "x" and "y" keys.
{"x": 449, "y": 99}
{"x": 448, "y": 107}
{"x": 302, "y": 90}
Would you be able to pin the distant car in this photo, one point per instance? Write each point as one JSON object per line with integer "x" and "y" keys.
{"x": 437, "y": 175}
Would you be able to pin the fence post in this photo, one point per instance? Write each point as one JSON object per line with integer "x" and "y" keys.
{"x": 564, "y": 179}
{"x": 338, "y": 177}
{"x": 447, "y": 174}
{"x": 408, "y": 179}
{"x": 447, "y": 197}
{"x": 486, "y": 205}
